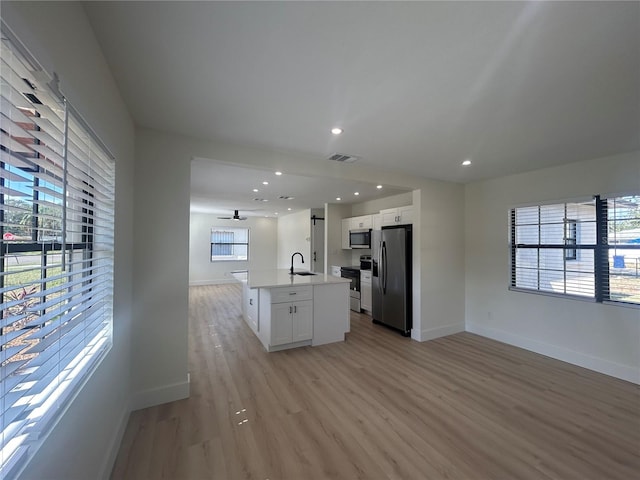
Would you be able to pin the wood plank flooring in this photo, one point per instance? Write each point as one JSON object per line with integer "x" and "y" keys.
{"x": 379, "y": 406}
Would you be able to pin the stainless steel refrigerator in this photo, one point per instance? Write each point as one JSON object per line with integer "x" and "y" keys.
{"x": 391, "y": 277}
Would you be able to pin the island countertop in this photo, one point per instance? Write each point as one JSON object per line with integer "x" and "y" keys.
{"x": 273, "y": 278}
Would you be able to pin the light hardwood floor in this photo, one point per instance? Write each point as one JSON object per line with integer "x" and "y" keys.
{"x": 379, "y": 406}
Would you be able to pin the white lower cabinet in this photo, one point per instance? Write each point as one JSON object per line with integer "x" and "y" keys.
{"x": 365, "y": 290}
{"x": 286, "y": 317}
{"x": 250, "y": 307}
{"x": 291, "y": 322}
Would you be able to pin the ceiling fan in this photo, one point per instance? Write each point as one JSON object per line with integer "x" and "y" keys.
{"x": 235, "y": 217}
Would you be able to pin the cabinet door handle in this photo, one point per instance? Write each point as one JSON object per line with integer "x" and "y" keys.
{"x": 292, "y": 293}
{"x": 290, "y": 309}
{"x": 251, "y": 301}
{"x": 295, "y": 309}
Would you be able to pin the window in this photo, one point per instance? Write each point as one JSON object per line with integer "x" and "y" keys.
{"x": 229, "y": 243}
{"x": 56, "y": 266}
{"x": 587, "y": 249}
{"x": 622, "y": 252}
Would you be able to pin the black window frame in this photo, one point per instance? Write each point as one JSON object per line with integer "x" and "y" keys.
{"x": 570, "y": 238}
{"x": 601, "y": 249}
{"x": 229, "y": 244}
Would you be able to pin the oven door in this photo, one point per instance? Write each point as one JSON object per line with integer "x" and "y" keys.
{"x": 355, "y": 280}
{"x": 354, "y": 288}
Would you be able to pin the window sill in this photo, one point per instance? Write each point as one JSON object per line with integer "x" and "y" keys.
{"x": 615, "y": 303}
{"x": 618, "y": 303}
{"x": 556, "y": 295}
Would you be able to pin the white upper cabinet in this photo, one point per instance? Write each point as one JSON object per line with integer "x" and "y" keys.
{"x": 397, "y": 216}
{"x": 377, "y": 221}
{"x": 346, "y": 224}
{"x": 364, "y": 221}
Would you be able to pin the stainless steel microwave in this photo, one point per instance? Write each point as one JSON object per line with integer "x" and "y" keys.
{"x": 360, "y": 238}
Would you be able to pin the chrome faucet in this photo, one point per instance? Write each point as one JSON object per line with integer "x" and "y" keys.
{"x": 297, "y": 253}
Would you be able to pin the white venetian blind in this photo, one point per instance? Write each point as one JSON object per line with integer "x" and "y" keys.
{"x": 56, "y": 270}
{"x": 553, "y": 248}
{"x": 621, "y": 259}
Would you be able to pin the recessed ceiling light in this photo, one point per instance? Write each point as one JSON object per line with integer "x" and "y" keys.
{"x": 378, "y": 187}
{"x": 275, "y": 213}
{"x": 356, "y": 193}
{"x": 289, "y": 208}
{"x": 265, "y": 183}
{"x": 338, "y": 198}
{"x": 336, "y": 130}
{"x": 466, "y": 163}
{"x": 278, "y": 173}
{"x": 256, "y": 190}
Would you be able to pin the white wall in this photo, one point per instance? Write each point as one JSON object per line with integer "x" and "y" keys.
{"x": 439, "y": 232}
{"x": 294, "y": 235}
{"x": 262, "y": 248}
{"x": 374, "y": 206}
{"x": 161, "y": 272}
{"x": 333, "y": 214}
{"x": 84, "y": 443}
{"x": 605, "y": 338}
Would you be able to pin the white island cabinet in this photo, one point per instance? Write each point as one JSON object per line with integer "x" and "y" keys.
{"x": 287, "y": 316}
{"x": 297, "y": 310}
{"x": 250, "y": 306}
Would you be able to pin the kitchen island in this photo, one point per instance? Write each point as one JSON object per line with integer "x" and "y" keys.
{"x": 288, "y": 311}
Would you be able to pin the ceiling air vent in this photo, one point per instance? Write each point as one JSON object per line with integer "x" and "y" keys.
{"x": 341, "y": 157}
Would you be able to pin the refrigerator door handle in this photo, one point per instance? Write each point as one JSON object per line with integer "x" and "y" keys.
{"x": 380, "y": 266}
{"x": 384, "y": 267}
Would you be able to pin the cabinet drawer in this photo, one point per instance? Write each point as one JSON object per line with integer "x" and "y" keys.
{"x": 291, "y": 294}
{"x": 365, "y": 276}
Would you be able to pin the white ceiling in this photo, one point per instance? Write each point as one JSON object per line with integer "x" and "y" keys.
{"x": 222, "y": 188}
{"x": 416, "y": 86}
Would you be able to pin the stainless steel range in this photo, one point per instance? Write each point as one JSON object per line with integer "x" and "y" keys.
{"x": 353, "y": 274}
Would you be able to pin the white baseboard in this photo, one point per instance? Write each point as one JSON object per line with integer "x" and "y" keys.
{"x": 114, "y": 446}
{"x": 437, "y": 332}
{"x": 160, "y": 395}
{"x": 600, "y": 365}
{"x": 220, "y": 281}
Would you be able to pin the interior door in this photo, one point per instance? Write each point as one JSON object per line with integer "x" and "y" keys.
{"x": 317, "y": 245}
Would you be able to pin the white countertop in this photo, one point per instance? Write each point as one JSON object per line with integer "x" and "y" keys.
{"x": 282, "y": 278}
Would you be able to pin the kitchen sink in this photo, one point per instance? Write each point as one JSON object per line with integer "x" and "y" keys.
{"x": 304, "y": 273}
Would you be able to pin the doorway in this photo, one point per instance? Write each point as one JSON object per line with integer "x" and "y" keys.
{"x": 317, "y": 241}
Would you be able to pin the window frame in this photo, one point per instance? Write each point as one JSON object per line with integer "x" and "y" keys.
{"x": 233, "y": 230}
{"x": 602, "y": 277}
{"x": 571, "y": 238}
{"x": 63, "y": 322}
